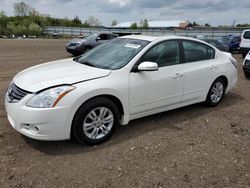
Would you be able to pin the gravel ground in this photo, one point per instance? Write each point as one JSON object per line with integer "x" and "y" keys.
{"x": 194, "y": 146}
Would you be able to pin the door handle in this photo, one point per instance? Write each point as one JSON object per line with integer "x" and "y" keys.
{"x": 178, "y": 76}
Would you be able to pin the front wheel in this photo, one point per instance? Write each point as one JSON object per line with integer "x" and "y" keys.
{"x": 216, "y": 92}
{"x": 95, "y": 121}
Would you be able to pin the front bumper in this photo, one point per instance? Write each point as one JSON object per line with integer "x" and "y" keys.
{"x": 74, "y": 50}
{"x": 39, "y": 123}
{"x": 244, "y": 50}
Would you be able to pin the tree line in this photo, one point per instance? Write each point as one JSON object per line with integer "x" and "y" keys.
{"x": 28, "y": 21}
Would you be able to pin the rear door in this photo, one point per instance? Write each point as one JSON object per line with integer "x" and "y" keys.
{"x": 199, "y": 70}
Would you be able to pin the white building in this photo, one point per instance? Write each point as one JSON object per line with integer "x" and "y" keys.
{"x": 164, "y": 24}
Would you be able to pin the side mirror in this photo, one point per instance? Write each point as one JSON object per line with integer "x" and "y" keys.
{"x": 148, "y": 66}
{"x": 98, "y": 38}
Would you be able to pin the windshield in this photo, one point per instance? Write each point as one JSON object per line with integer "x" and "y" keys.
{"x": 114, "y": 54}
{"x": 91, "y": 37}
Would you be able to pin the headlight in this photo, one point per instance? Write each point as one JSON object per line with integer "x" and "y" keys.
{"x": 49, "y": 98}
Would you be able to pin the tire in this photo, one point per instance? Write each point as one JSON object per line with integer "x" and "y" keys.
{"x": 247, "y": 74}
{"x": 216, "y": 92}
{"x": 88, "y": 125}
{"x": 244, "y": 55}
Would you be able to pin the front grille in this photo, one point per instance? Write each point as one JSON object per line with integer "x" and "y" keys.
{"x": 72, "y": 44}
{"x": 15, "y": 94}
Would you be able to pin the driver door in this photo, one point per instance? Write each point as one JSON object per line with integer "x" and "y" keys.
{"x": 153, "y": 90}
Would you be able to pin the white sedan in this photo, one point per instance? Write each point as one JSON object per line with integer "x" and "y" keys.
{"x": 125, "y": 79}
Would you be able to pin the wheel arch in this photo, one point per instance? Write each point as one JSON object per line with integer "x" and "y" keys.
{"x": 224, "y": 78}
{"x": 113, "y": 98}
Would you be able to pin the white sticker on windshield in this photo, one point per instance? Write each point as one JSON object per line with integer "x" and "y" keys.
{"x": 135, "y": 46}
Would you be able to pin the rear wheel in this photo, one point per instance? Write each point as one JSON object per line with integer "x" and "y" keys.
{"x": 95, "y": 121}
{"x": 216, "y": 92}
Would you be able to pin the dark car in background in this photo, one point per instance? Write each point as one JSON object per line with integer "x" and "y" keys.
{"x": 79, "y": 46}
{"x": 232, "y": 41}
{"x": 218, "y": 44}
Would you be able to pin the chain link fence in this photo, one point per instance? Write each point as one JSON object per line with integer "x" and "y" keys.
{"x": 211, "y": 33}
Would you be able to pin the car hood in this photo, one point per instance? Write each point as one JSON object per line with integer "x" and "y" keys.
{"x": 54, "y": 73}
{"x": 77, "y": 40}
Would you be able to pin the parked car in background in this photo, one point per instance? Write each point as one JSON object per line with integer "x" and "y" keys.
{"x": 218, "y": 44}
{"x": 245, "y": 43}
{"x": 232, "y": 41}
{"x": 3, "y": 36}
{"x": 246, "y": 65}
{"x": 80, "y": 46}
{"x": 55, "y": 35}
{"x": 124, "y": 79}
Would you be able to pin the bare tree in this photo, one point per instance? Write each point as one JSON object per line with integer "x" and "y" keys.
{"x": 114, "y": 22}
{"x": 22, "y": 9}
{"x": 92, "y": 22}
{"x": 145, "y": 24}
{"x": 2, "y": 13}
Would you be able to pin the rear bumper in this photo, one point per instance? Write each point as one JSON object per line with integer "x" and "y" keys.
{"x": 232, "y": 79}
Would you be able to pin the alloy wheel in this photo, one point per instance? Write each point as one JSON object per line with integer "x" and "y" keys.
{"x": 217, "y": 92}
{"x": 98, "y": 123}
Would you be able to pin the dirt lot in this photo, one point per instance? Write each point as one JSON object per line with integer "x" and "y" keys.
{"x": 193, "y": 146}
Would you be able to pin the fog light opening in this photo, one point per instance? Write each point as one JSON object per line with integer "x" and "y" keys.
{"x": 34, "y": 129}
{"x": 26, "y": 126}
{"x": 30, "y": 127}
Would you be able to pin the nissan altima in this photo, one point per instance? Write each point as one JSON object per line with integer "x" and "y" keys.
{"x": 127, "y": 78}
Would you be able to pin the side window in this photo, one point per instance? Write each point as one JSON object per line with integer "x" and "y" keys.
{"x": 103, "y": 36}
{"x": 110, "y": 36}
{"x": 164, "y": 54}
{"x": 195, "y": 51}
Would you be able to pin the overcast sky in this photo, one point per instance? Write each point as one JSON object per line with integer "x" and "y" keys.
{"x": 215, "y": 12}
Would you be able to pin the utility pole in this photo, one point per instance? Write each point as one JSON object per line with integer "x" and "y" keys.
{"x": 234, "y": 22}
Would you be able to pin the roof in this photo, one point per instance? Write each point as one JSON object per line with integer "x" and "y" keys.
{"x": 166, "y": 37}
{"x": 141, "y": 37}
{"x": 156, "y": 24}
